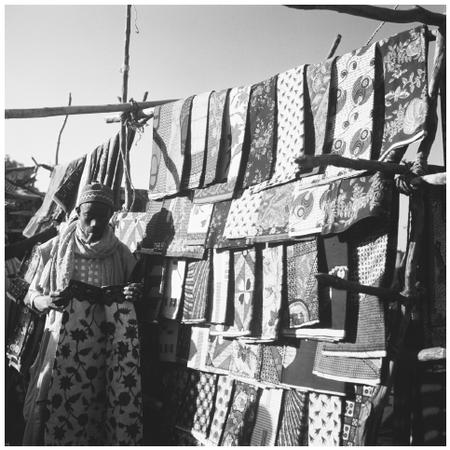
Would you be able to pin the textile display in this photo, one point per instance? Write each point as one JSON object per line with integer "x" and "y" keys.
{"x": 199, "y": 124}
{"x": 217, "y": 102}
{"x": 220, "y": 354}
{"x": 175, "y": 273}
{"x": 353, "y": 121}
{"x": 405, "y": 88}
{"x": 241, "y": 416}
{"x": 130, "y": 228}
{"x": 293, "y": 429}
{"x": 238, "y": 104}
{"x": 153, "y": 292}
{"x": 168, "y": 338}
{"x": 196, "y": 290}
{"x": 198, "y": 225}
{"x": 272, "y": 364}
{"x": 267, "y": 415}
{"x": 221, "y": 291}
{"x": 355, "y": 414}
{"x": 324, "y": 420}
{"x": 167, "y": 154}
{"x": 290, "y": 125}
{"x": 159, "y": 229}
{"x": 246, "y": 360}
{"x": 188, "y": 405}
{"x": 217, "y": 224}
{"x": 302, "y": 286}
{"x": 198, "y": 348}
{"x": 183, "y": 343}
{"x": 223, "y": 398}
{"x": 262, "y": 114}
{"x": 205, "y": 404}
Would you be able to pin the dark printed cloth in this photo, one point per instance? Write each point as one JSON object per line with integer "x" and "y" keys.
{"x": 241, "y": 417}
{"x": 217, "y": 225}
{"x": 167, "y": 340}
{"x": 17, "y": 289}
{"x": 188, "y": 404}
{"x": 262, "y": 114}
{"x": 272, "y": 364}
{"x": 223, "y": 398}
{"x": 405, "y": 88}
{"x": 151, "y": 303}
{"x": 205, "y": 404}
{"x": 293, "y": 429}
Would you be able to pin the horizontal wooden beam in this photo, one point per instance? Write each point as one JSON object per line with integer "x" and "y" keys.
{"x": 416, "y": 14}
{"x": 31, "y": 113}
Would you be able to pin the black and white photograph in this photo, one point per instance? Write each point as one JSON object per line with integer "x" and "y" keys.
{"x": 225, "y": 224}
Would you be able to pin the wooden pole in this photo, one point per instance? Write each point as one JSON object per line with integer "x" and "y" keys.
{"x": 60, "y": 132}
{"x": 333, "y": 48}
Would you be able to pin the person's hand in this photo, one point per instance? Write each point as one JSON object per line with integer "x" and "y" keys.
{"x": 42, "y": 302}
{"x": 133, "y": 292}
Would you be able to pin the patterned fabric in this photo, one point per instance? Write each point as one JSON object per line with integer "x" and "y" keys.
{"x": 168, "y": 338}
{"x": 17, "y": 289}
{"x": 183, "y": 343}
{"x": 175, "y": 273}
{"x": 272, "y": 363}
{"x": 293, "y": 419}
{"x": 167, "y": 155}
{"x": 199, "y": 123}
{"x": 220, "y": 354}
{"x": 198, "y": 348}
{"x": 267, "y": 415}
{"x": 159, "y": 229}
{"x": 188, "y": 406}
{"x": 238, "y": 99}
{"x": 353, "y": 122}
{"x": 356, "y": 412}
{"x": 324, "y": 417}
{"x": 273, "y": 213}
{"x": 196, "y": 288}
{"x": 220, "y": 298}
{"x": 217, "y": 225}
{"x": 130, "y": 228}
{"x": 205, "y": 404}
{"x": 246, "y": 361}
{"x": 405, "y": 88}
{"x": 217, "y": 102}
{"x": 302, "y": 287}
{"x": 198, "y": 225}
{"x": 290, "y": 125}
{"x": 223, "y": 399}
{"x": 262, "y": 113}
{"x": 241, "y": 417}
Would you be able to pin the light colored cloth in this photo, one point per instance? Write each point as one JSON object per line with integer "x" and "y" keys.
{"x": 324, "y": 414}
{"x": 199, "y": 220}
{"x": 175, "y": 273}
{"x": 198, "y": 350}
{"x": 130, "y": 228}
{"x": 221, "y": 270}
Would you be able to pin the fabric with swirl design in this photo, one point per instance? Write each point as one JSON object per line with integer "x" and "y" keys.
{"x": 405, "y": 88}
{"x": 293, "y": 428}
{"x": 324, "y": 420}
{"x": 262, "y": 114}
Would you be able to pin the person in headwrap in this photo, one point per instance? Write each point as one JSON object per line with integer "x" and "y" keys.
{"x": 85, "y": 384}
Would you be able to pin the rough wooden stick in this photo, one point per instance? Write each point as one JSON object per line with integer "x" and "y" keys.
{"x": 416, "y": 14}
{"x": 308, "y": 162}
{"x": 334, "y": 47}
{"x": 60, "y": 132}
{"x": 436, "y": 179}
{"x": 432, "y": 354}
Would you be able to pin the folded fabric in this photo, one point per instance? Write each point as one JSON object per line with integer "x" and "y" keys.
{"x": 353, "y": 120}
{"x": 217, "y": 102}
{"x": 167, "y": 155}
{"x": 356, "y": 412}
{"x": 175, "y": 272}
{"x": 198, "y": 224}
{"x": 199, "y": 124}
{"x": 293, "y": 429}
{"x": 159, "y": 229}
{"x": 238, "y": 104}
{"x": 298, "y": 364}
{"x": 198, "y": 348}
{"x": 168, "y": 337}
{"x": 205, "y": 404}
{"x": 217, "y": 224}
{"x": 324, "y": 420}
{"x": 267, "y": 415}
{"x": 130, "y": 228}
{"x": 223, "y": 398}
{"x": 342, "y": 368}
{"x": 246, "y": 360}
{"x": 405, "y": 88}
{"x": 272, "y": 364}
{"x": 196, "y": 291}
{"x": 262, "y": 115}
{"x": 220, "y": 354}
{"x": 273, "y": 213}
{"x": 221, "y": 292}
{"x": 241, "y": 417}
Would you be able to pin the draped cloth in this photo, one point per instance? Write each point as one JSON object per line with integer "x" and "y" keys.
{"x": 221, "y": 291}
{"x": 223, "y": 399}
{"x": 167, "y": 154}
{"x": 198, "y": 224}
{"x": 405, "y": 88}
{"x": 168, "y": 339}
{"x": 205, "y": 404}
{"x": 175, "y": 272}
{"x": 324, "y": 420}
{"x": 159, "y": 228}
{"x": 196, "y": 291}
{"x": 262, "y": 114}
{"x": 293, "y": 428}
{"x": 217, "y": 225}
{"x": 353, "y": 121}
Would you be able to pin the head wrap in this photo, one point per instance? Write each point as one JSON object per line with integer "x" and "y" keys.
{"x": 97, "y": 192}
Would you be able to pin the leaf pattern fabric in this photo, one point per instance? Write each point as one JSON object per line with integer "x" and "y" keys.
{"x": 262, "y": 114}
{"x": 220, "y": 297}
{"x": 405, "y": 88}
{"x": 223, "y": 398}
{"x": 175, "y": 273}
{"x": 217, "y": 103}
{"x": 324, "y": 417}
{"x": 167, "y": 155}
{"x": 293, "y": 428}
{"x": 198, "y": 224}
{"x": 246, "y": 361}
{"x": 196, "y": 288}
{"x": 241, "y": 416}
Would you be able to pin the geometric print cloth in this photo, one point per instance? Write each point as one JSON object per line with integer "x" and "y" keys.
{"x": 223, "y": 398}
{"x": 272, "y": 364}
{"x": 405, "y": 88}
{"x": 167, "y": 156}
{"x": 353, "y": 122}
{"x": 198, "y": 348}
{"x": 205, "y": 403}
{"x": 220, "y": 354}
{"x": 188, "y": 406}
{"x": 324, "y": 416}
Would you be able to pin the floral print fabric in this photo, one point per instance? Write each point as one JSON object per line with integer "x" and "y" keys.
{"x": 262, "y": 110}
{"x": 405, "y": 88}
{"x": 246, "y": 361}
{"x": 217, "y": 225}
{"x": 324, "y": 417}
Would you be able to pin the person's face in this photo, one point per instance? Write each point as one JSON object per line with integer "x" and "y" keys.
{"x": 94, "y": 218}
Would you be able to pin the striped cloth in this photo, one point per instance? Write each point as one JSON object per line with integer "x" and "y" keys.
{"x": 175, "y": 272}
{"x": 293, "y": 429}
{"x": 196, "y": 287}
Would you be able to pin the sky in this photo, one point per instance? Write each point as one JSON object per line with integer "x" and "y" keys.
{"x": 175, "y": 51}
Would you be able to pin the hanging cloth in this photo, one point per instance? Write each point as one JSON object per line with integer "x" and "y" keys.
{"x": 246, "y": 360}
{"x": 223, "y": 398}
{"x": 198, "y": 348}
{"x": 130, "y": 228}
{"x": 220, "y": 299}
{"x": 175, "y": 272}
{"x": 220, "y": 354}
{"x": 217, "y": 224}
{"x": 324, "y": 420}
{"x": 159, "y": 228}
{"x": 272, "y": 364}
{"x": 205, "y": 404}
{"x": 198, "y": 225}
{"x": 262, "y": 114}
